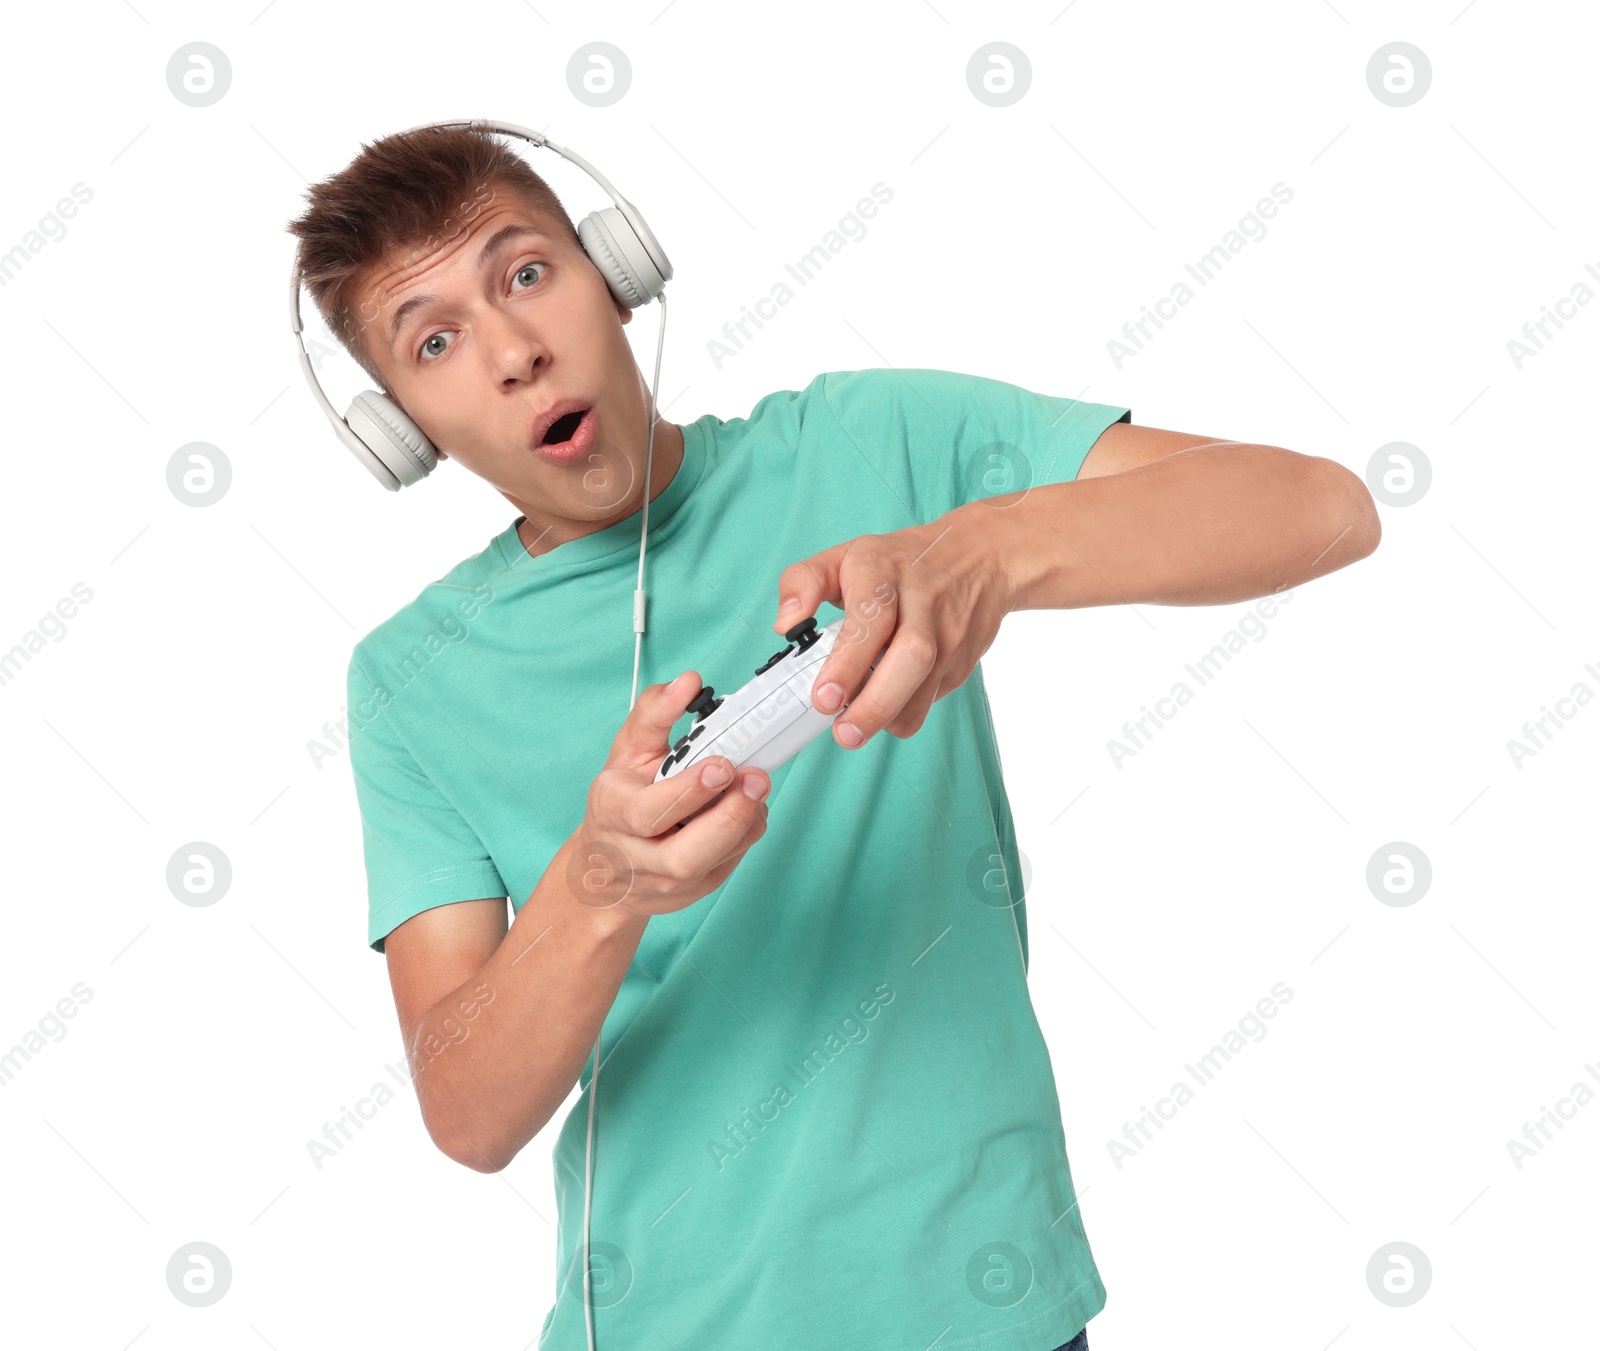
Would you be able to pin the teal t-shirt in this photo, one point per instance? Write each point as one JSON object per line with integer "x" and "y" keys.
{"x": 827, "y": 1116}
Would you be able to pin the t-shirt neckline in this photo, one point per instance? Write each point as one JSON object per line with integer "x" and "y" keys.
{"x": 617, "y": 536}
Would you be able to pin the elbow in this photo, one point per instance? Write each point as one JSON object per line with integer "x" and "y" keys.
{"x": 1351, "y": 521}
{"x": 1369, "y": 528}
{"x": 480, "y": 1163}
{"x": 470, "y": 1147}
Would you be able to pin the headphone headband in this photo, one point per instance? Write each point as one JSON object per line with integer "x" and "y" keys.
{"x": 616, "y": 239}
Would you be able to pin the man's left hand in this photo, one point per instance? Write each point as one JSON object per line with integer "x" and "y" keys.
{"x": 930, "y": 598}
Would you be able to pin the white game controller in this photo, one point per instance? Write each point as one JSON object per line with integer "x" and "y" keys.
{"x": 771, "y": 719}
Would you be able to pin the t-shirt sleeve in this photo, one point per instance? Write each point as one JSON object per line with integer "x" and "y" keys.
{"x": 420, "y": 852}
{"x": 941, "y": 439}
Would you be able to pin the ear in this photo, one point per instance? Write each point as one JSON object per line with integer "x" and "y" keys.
{"x": 623, "y": 312}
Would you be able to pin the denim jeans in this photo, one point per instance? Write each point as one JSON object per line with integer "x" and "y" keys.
{"x": 1078, "y": 1343}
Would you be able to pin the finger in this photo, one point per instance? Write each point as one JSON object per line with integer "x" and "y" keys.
{"x": 757, "y": 828}
{"x": 915, "y": 711}
{"x": 901, "y": 671}
{"x": 745, "y": 777}
{"x": 708, "y": 838}
{"x": 720, "y": 874}
{"x": 645, "y": 731}
{"x": 652, "y": 809}
{"x": 870, "y": 622}
{"x": 672, "y": 801}
{"x": 805, "y": 585}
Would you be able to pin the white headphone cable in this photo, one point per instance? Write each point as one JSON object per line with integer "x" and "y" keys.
{"x": 633, "y": 698}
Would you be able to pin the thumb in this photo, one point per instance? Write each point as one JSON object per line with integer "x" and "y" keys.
{"x": 649, "y": 722}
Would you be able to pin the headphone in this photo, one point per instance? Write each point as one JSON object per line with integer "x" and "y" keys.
{"x": 380, "y": 435}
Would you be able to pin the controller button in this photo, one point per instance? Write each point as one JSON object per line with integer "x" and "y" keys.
{"x": 773, "y": 660}
{"x": 666, "y": 765}
{"x": 696, "y": 730}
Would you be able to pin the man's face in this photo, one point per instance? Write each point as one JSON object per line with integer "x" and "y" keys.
{"x": 519, "y": 319}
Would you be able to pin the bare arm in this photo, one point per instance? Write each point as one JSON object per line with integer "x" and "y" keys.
{"x": 498, "y": 1021}
{"x": 1153, "y": 516}
{"x": 1171, "y": 518}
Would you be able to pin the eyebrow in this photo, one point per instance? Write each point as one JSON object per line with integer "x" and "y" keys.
{"x": 503, "y": 235}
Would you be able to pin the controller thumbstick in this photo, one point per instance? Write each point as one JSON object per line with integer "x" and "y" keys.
{"x": 703, "y": 703}
{"x": 804, "y": 633}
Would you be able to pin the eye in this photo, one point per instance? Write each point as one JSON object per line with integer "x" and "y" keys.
{"x": 433, "y": 347}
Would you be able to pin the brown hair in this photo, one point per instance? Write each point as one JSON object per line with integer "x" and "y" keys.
{"x": 412, "y": 188}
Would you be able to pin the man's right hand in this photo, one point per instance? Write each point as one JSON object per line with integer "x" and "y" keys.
{"x": 635, "y": 849}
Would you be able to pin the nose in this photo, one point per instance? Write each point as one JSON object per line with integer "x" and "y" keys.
{"x": 513, "y": 352}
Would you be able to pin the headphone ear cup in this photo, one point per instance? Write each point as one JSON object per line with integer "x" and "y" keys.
{"x": 394, "y": 438}
{"x": 627, "y": 261}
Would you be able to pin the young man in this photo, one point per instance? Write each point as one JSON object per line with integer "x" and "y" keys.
{"x": 828, "y": 1116}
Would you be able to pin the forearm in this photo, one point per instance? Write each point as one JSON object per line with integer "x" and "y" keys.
{"x": 1206, "y": 526}
{"x": 489, "y": 1080}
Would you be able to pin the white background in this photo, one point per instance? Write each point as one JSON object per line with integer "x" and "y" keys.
{"x": 1228, "y": 855}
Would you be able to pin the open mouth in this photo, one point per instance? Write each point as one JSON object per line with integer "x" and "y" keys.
{"x": 563, "y": 428}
